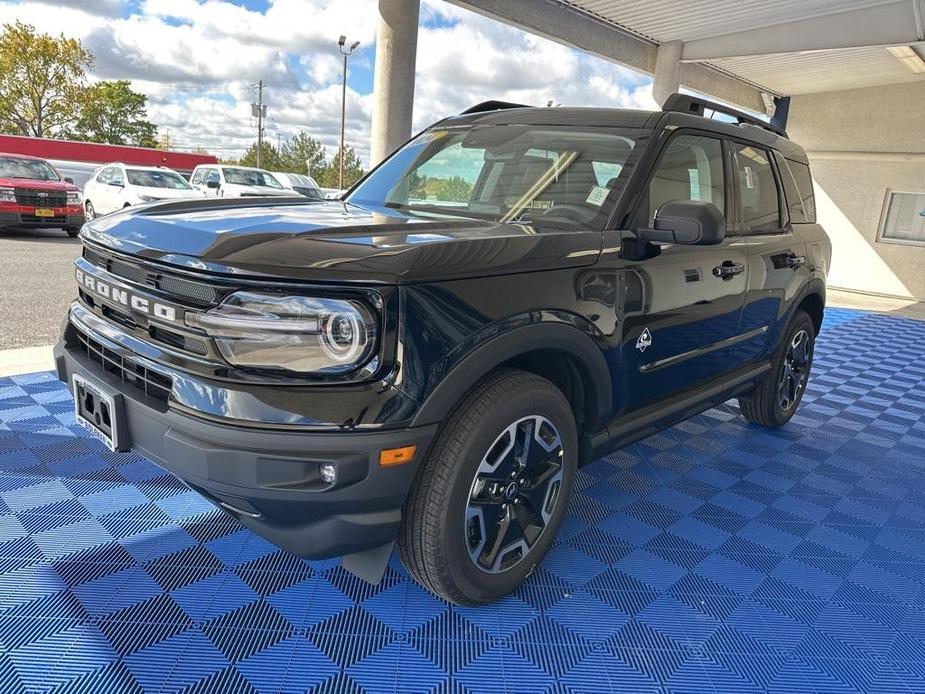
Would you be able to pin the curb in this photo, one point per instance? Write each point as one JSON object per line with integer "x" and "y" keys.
{"x": 14, "y": 362}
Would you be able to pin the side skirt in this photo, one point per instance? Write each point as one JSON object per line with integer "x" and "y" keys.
{"x": 628, "y": 429}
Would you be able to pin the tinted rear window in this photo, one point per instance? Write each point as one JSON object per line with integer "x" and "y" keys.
{"x": 804, "y": 183}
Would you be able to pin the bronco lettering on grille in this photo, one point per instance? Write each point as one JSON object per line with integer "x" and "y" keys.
{"x": 117, "y": 295}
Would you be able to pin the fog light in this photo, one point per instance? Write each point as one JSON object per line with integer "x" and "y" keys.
{"x": 328, "y": 473}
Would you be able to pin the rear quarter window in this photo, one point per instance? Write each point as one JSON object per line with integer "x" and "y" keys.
{"x": 804, "y": 182}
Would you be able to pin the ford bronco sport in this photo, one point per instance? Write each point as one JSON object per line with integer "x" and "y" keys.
{"x": 514, "y": 292}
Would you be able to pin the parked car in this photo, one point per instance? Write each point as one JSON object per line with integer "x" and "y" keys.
{"x": 116, "y": 186}
{"x": 428, "y": 361}
{"x": 33, "y": 194}
{"x": 236, "y": 182}
{"x": 300, "y": 183}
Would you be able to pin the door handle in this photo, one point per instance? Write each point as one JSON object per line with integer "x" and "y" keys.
{"x": 794, "y": 261}
{"x": 728, "y": 269}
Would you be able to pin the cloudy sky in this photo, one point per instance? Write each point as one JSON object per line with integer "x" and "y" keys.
{"x": 199, "y": 62}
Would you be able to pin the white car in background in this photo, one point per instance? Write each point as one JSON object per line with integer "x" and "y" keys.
{"x": 115, "y": 186}
{"x": 301, "y": 184}
{"x": 216, "y": 180}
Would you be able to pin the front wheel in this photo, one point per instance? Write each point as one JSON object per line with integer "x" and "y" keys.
{"x": 90, "y": 211}
{"x": 492, "y": 493}
{"x": 72, "y": 231}
{"x": 776, "y": 398}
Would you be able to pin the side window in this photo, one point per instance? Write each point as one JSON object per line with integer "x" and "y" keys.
{"x": 758, "y": 199}
{"x": 791, "y": 193}
{"x": 115, "y": 176}
{"x": 691, "y": 168}
{"x": 805, "y": 185}
{"x": 197, "y": 177}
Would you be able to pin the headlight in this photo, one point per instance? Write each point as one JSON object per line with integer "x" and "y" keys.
{"x": 296, "y": 333}
{"x": 7, "y": 195}
{"x": 73, "y": 197}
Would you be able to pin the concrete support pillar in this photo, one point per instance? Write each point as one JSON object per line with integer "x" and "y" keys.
{"x": 667, "y": 70}
{"x": 393, "y": 85}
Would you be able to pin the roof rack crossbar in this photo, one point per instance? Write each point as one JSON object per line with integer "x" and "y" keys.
{"x": 685, "y": 103}
{"x": 492, "y": 105}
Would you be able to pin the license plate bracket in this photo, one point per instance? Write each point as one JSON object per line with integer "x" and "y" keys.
{"x": 100, "y": 412}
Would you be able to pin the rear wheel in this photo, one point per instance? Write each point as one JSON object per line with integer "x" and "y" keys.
{"x": 72, "y": 231}
{"x": 776, "y": 398}
{"x": 490, "y": 497}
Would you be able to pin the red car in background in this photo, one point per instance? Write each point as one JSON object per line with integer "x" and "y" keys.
{"x": 33, "y": 194}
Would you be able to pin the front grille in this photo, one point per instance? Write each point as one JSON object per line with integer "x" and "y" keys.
{"x": 201, "y": 293}
{"x": 151, "y": 383}
{"x": 43, "y": 221}
{"x": 187, "y": 343}
{"x": 32, "y": 198}
{"x": 197, "y": 291}
{"x": 128, "y": 271}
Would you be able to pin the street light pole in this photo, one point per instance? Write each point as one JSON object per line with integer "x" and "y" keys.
{"x": 343, "y": 104}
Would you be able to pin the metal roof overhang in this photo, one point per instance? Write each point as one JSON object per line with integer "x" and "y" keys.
{"x": 736, "y": 50}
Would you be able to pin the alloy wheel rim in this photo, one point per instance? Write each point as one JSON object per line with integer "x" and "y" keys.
{"x": 91, "y": 213}
{"x": 514, "y": 494}
{"x": 795, "y": 370}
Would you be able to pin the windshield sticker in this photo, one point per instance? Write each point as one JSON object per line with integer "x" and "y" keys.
{"x": 597, "y": 196}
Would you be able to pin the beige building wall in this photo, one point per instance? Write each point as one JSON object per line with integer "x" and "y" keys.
{"x": 861, "y": 144}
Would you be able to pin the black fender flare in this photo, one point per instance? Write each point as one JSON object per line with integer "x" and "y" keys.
{"x": 488, "y": 355}
{"x": 815, "y": 285}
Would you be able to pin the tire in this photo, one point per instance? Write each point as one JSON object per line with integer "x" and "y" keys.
{"x": 447, "y": 539}
{"x": 72, "y": 232}
{"x": 767, "y": 405}
{"x": 89, "y": 210}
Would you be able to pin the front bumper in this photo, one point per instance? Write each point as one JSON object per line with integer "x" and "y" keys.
{"x": 269, "y": 478}
{"x": 25, "y": 217}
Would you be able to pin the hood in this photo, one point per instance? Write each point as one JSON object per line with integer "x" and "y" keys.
{"x": 36, "y": 184}
{"x": 334, "y": 241}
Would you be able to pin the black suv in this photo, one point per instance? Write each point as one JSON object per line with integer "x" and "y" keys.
{"x": 513, "y": 293}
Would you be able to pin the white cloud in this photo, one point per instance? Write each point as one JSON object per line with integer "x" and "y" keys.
{"x": 198, "y": 62}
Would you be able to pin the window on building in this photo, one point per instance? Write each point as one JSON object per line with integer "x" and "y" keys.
{"x": 690, "y": 169}
{"x": 758, "y": 198}
{"x": 904, "y": 218}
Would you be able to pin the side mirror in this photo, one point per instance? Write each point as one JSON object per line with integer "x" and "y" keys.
{"x": 212, "y": 183}
{"x": 690, "y": 222}
{"x": 117, "y": 184}
{"x": 68, "y": 179}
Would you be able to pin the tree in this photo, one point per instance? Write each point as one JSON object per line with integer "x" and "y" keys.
{"x": 270, "y": 157}
{"x": 41, "y": 79}
{"x": 453, "y": 189}
{"x": 353, "y": 170}
{"x": 111, "y": 112}
{"x": 303, "y": 154}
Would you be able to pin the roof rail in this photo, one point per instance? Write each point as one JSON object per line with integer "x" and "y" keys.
{"x": 685, "y": 103}
{"x": 491, "y": 106}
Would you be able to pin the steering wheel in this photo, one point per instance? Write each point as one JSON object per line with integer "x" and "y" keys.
{"x": 577, "y": 212}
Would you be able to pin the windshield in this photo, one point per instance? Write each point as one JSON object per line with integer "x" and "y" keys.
{"x": 36, "y": 169}
{"x": 157, "y": 179}
{"x": 250, "y": 177}
{"x": 558, "y": 176}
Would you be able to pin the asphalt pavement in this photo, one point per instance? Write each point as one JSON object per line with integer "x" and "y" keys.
{"x": 36, "y": 285}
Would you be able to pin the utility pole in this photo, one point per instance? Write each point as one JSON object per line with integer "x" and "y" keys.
{"x": 260, "y": 111}
{"x": 343, "y": 105}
